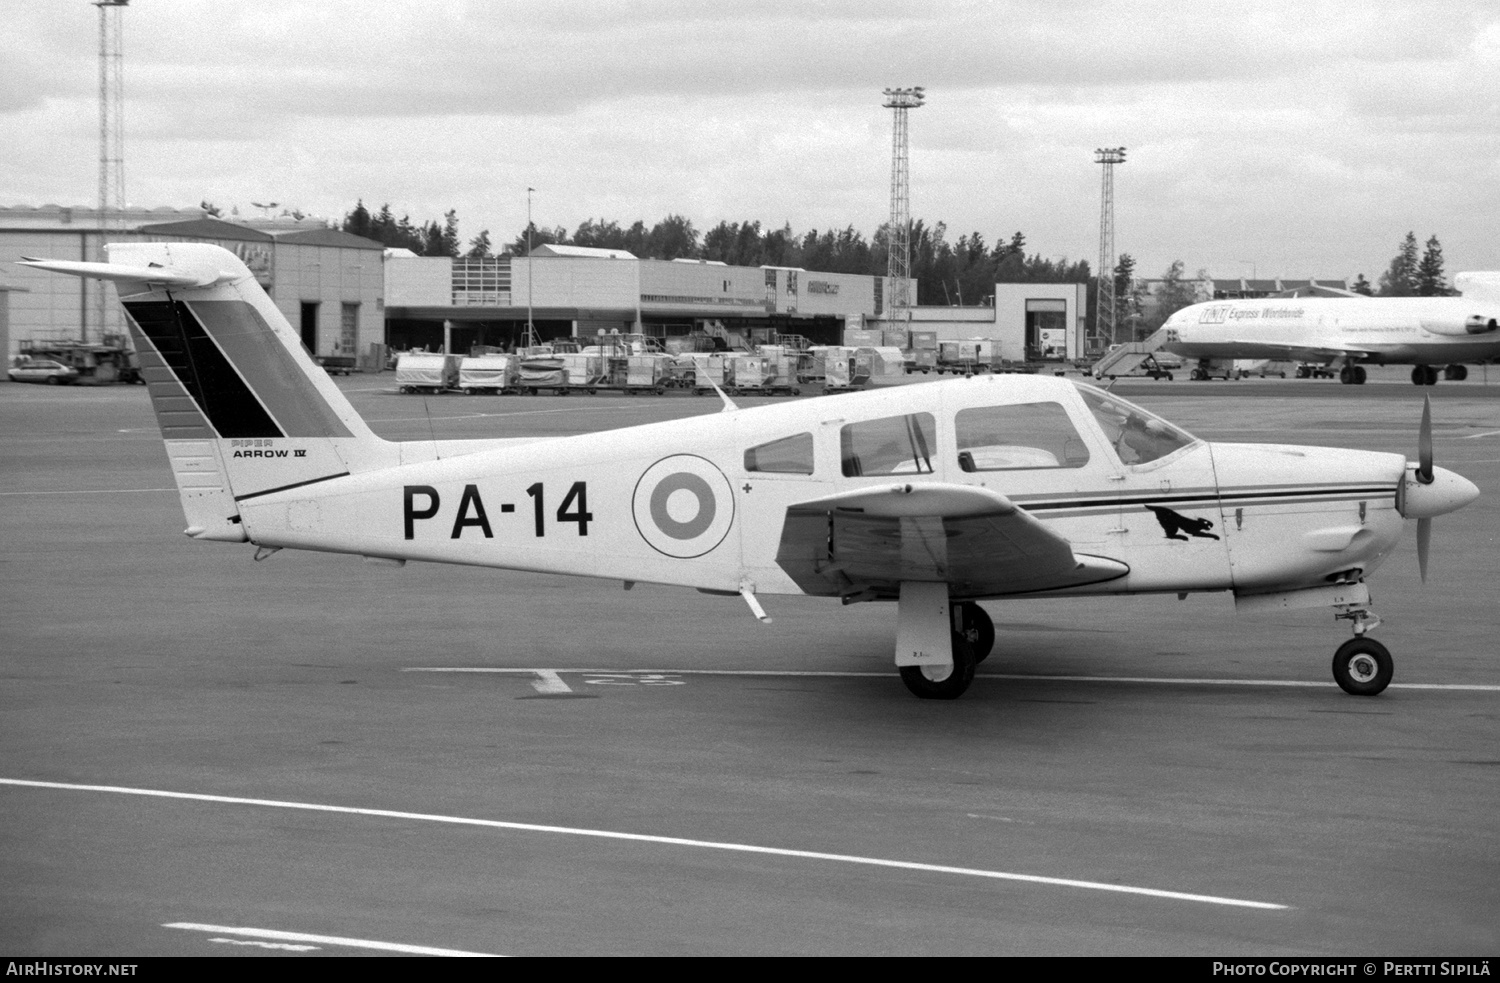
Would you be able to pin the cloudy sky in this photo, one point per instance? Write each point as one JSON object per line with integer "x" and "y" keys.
{"x": 1263, "y": 137}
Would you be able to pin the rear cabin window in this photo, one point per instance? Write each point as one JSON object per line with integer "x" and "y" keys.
{"x": 789, "y": 455}
{"x": 889, "y": 445}
{"x": 1018, "y": 437}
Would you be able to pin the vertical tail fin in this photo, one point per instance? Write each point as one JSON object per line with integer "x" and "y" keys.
{"x": 243, "y": 408}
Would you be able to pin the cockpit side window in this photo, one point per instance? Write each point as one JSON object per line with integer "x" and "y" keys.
{"x": 1017, "y": 437}
{"x": 1137, "y": 436}
{"x": 889, "y": 445}
{"x": 789, "y": 455}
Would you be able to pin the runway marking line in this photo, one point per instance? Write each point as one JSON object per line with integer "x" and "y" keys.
{"x": 271, "y": 933}
{"x": 679, "y": 841}
{"x": 91, "y": 491}
{"x": 553, "y": 674}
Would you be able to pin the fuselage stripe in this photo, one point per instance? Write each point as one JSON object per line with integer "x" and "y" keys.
{"x": 297, "y": 484}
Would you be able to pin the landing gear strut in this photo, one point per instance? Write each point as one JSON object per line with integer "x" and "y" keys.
{"x": 1362, "y": 666}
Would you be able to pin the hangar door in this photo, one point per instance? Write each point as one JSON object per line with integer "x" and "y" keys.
{"x": 1046, "y": 329}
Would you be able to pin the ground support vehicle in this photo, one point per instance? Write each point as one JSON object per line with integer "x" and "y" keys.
{"x": 1313, "y": 370}
{"x": 44, "y": 370}
{"x": 488, "y": 374}
{"x": 1149, "y": 366}
{"x": 1213, "y": 368}
{"x": 338, "y": 364}
{"x": 1264, "y": 369}
{"x": 93, "y": 364}
{"x": 426, "y": 372}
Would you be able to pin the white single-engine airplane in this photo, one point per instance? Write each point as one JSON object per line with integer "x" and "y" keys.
{"x": 934, "y": 496}
{"x": 1423, "y": 332}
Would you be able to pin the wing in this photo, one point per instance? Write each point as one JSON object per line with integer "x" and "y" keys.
{"x": 1305, "y": 353}
{"x": 863, "y": 544}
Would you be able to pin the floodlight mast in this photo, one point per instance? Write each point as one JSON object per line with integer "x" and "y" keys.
{"x": 1104, "y": 319}
{"x": 898, "y": 262}
{"x": 111, "y": 143}
{"x": 531, "y": 338}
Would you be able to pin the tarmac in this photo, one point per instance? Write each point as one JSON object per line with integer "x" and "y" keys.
{"x": 311, "y": 755}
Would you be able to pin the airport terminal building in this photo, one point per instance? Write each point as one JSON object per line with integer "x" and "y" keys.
{"x": 572, "y": 291}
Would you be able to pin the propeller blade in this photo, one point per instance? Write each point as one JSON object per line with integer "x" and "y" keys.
{"x": 1424, "y": 443}
{"x": 1424, "y": 540}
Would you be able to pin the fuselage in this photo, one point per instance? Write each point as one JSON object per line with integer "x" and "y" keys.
{"x": 1387, "y": 330}
{"x": 702, "y": 502}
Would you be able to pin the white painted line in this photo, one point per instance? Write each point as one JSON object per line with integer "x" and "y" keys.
{"x": 92, "y": 491}
{"x": 660, "y": 840}
{"x": 270, "y": 933}
{"x": 267, "y": 945}
{"x": 1166, "y": 681}
{"x": 549, "y": 682}
{"x": 1487, "y": 433}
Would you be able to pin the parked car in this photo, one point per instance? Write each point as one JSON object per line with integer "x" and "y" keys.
{"x": 43, "y": 370}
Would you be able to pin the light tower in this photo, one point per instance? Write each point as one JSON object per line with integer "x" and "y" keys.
{"x": 898, "y": 262}
{"x": 111, "y": 138}
{"x": 1104, "y": 320}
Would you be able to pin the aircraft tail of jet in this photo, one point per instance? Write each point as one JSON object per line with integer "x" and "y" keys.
{"x": 1482, "y": 286}
{"x": 242, "y": 406}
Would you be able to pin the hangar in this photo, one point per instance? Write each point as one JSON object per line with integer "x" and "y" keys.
{"x": 328, "y": 283}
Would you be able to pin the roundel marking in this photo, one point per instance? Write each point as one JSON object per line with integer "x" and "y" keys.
{"x": 703, "y": 512}
{"x": 684, "y": 506}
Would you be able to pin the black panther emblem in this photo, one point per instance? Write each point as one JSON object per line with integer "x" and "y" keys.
{"x": 1175, "y": 523}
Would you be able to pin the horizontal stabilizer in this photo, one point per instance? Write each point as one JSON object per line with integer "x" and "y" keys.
{"x": 166, "y": 276}
{"x": 179, "y": 264}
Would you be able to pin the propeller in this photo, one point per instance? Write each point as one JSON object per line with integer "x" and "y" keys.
{"x": 1424, "y": 475}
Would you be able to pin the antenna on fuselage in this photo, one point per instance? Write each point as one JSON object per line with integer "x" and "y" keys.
{"x": 728, "y": 403}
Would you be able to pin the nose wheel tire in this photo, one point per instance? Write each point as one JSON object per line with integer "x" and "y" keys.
{"x": 949, "y": 685}
{"x": 977, "y": 627}
{"x": 1362, "y": 667}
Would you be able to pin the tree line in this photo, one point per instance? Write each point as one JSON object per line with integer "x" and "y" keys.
{"x": 963, "y": 271}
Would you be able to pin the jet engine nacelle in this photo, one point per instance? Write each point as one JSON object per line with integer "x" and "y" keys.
{"x": 1471, "y": 325}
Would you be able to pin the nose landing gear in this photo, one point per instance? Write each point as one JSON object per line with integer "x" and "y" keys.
{"x": 1362, "y": 666}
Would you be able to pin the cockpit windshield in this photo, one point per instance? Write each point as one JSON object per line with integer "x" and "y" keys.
{"x": 1138, "y": 436}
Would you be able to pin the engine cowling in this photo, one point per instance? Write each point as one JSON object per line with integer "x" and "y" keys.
{"x": 1472, "y": 325}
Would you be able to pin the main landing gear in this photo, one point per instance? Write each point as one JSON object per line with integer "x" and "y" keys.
{"x": 970, "y": 637}
{"x": 1426, "y": 375}
{"x": 1352, "y": 375}
{"x": 1362, "y": 666}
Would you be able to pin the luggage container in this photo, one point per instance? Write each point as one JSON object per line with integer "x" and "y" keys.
{"x": 487, "y": 374}
{"x": 749, "y": 372}
{"x": 426, "y": 372}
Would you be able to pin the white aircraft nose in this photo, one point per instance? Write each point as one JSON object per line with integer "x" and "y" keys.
{"x": 1447, "y": 492}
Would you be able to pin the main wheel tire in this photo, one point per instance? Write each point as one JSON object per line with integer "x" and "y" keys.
{"x": 1360, "y": 375}
{"x": 1362, "y": 667}
{"x": 978, "y": 629}
{"x": 949, "y": 687}
{"x": 1346, "y": 375}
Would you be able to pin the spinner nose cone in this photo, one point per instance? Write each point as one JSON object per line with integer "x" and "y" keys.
{"x": 1447, "y": 492}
